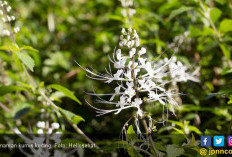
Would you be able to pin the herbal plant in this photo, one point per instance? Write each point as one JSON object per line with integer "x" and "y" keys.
{"x": 139, "y": 81}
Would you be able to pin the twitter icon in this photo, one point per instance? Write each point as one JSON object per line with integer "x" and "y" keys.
{"x": 218, "y": 141}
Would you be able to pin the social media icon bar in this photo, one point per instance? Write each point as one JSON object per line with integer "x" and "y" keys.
{"x": 205, "y": 141}
{"x": 218, "y": 141}
{"x": 230, "y": 141}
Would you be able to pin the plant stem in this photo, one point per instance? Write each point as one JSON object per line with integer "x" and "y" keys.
{"x": 207, "y": 16}
{"x": 144, "y": 151}
{"x": 148, "y": 133}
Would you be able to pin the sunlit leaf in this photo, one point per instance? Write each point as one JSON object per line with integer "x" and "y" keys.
{"x": 181, "y": 10}
{"x": 215, "y": 13}
{"x": 27, "y": 60}
{"x": 225, "y": 26}
{"x": 9, "y": 89}
{"x": 76, "y": 119}
{"x": 66, "y": 92}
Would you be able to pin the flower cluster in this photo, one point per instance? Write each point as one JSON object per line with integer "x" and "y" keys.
{"x": 5, "y": 9}
{"x": 42, "y": 125}
{"x": 127, "y": 11}
{"x": 177, "y": 72}
{"x": 137, "y": 76}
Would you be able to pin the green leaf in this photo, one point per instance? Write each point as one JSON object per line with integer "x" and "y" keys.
{"x": 29, "y": 48}
{"x": 225, "y": 25}
{"x": 76, "y": 119}
{"x": 66, "y": 92}
{"x": 20, "y": 110}
{"x": 226, "y": 50}
{"x": 193, "y": 141}
{"x": 181, "y": 132}
{"x": 27, "y": 60}
{"x": 131, "y": 133}
{"x": 226, "y": 71}
{"x": 221, "y": 1}
{"x": 174, "y": 151}
{"x": 226, "y": 91}
{"x": 132, "y": 152}
{"x": 17, "y": 62}
{"x": 215, "y": 13}
{"x": 179, "y": 11}
{"x": 9, "y": 89}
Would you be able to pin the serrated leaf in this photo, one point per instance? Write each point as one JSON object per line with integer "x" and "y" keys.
{"x": 179, "y": 11}
{"x": 9, "y": 89}
{"x": 66, "y": 92}
{"x": 215, "y": 13}
{"x": 76, "y": 119}
{"x": 27, "y": 60}
{"x": 225, "y": 26}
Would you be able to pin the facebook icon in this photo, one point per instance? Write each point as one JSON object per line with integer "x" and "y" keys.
{"x": 205, "y": 141}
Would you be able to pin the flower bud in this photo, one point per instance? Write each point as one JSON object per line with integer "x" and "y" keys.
{"x": 132, "y": 52}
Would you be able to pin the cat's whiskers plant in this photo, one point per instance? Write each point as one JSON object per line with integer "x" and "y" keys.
{"x": 139, "y": 81}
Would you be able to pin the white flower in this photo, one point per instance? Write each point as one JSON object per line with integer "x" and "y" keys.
{"x": 16, "y": 29}
{"x": 3, "y": 19}
{"x": 40, "y": 124}
{"x": 8, "y": 8}
{"x": 142, "y": 51}
{"x": 121, "y": 43}
{"x": 149, "y": 68}
{"x": 137, "y": 102}
{"x": 130, "y": 90}
{"x": 132, "y": 52}
{"x": 49, "y": 131}
{"x": 118, "y": 74}
{"x": 6, "y": 32}
{"x": 154, "y": 97}
{"x": 142, "y": 61}
{"x": 118, "y": 54}
{"x": 123, "y": 31}
{"x": 40, "y": 131}
{"x": 128, "y": 74}
{"x": 55, "y": 125}
{"x": 121, "y": 37}
{"x": 137, "y": 42}
{"x": 120, "y": 64}
{"x": 122, "y": 102}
